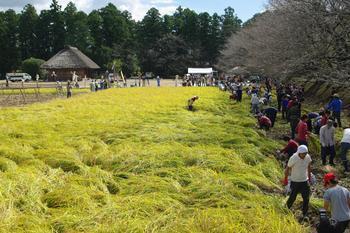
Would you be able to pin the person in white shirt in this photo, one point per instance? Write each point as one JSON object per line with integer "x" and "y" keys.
{"x": 327, "y": 140}
{"x": 299, "y": 168}
{"x": 255, "y": 103}
{"x": 344, "y": 147}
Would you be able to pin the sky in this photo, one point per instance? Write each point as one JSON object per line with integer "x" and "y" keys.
{"x": 244, "y": 9}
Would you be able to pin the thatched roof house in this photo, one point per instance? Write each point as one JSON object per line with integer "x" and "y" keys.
{"x": 68, "y": 60}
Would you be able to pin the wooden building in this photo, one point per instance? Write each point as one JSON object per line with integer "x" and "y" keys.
{"x": 67, "y": 61}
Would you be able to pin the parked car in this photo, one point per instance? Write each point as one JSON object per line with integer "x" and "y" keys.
{"x": 18, "y": 77}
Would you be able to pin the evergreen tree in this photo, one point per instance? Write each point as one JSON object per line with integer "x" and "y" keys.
{"x": 78, "y": 34}
{"x": 57, "y": 31}
{"x": 217, "y": 40}
{"x": 190, "y": 31}
{"x": 95, "y": 27}
{"x": 27, "y": 35}
{"x": 50, "y": 31}
{"x": 150, "y": 30}
{"x": 204, "y": 36}
{"x": 230, "y": 22}
{"x": 10, "y": 54}
{"x": 171, "y": 56}
{"x": 42, "y": 31}
{"x": 168, "y": 24}
{"x": 115, "y": 27}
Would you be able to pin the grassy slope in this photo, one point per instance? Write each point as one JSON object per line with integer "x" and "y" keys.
{"x": 134, "y": 160}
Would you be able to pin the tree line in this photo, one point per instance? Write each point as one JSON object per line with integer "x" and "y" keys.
{"x": 294, "y": 38}
{"x": 165, "y": 45}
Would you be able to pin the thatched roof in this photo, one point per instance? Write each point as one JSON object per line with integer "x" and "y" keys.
{"x": 70, "y": 58}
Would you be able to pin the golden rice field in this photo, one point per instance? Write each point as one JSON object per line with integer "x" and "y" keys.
{"x": 135, "y": 160}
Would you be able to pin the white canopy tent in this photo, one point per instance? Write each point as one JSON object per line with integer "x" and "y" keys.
{"x": 200, "y": 70}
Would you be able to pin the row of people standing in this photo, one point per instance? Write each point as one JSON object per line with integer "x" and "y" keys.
{"x": 96, "y": 85}
{"x": 198, "y": 80}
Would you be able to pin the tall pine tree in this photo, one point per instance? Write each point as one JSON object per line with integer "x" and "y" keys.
{"x": 27, "y": 35}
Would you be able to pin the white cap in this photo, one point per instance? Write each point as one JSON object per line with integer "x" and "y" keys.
{"x": 302, "y": 149}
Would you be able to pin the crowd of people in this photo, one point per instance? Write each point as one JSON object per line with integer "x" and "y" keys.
{"x": 297, "y": 160}
{"x": 191, "y": 80}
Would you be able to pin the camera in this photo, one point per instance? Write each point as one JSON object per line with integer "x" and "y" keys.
{"x": 326, "y": 225}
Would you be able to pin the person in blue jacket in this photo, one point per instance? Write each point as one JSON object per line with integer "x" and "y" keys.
{"x": 284, "y": 103}
{"x": 335, "y": 106}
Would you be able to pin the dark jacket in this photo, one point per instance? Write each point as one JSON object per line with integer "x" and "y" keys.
{"x": 294, "y": 113}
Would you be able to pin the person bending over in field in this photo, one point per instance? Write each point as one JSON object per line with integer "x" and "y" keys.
{"x": 291, "y": 148}
{"x": 191, "y": 102}
{"x": 271, "y": 113}
{"x": 264, "y": 122}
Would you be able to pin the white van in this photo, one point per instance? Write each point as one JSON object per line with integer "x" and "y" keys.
{"x": 18, "y": 77}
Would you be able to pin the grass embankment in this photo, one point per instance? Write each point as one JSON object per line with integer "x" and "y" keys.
{"x": 135, "y": 160}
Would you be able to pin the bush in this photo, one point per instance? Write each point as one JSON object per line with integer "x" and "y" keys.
{"x": 32, "y": 66}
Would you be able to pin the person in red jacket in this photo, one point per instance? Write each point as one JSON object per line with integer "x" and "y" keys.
{"x": 325, "y": 117}
{"x": 291, "y": 102}
{"x": 264, "y": 122}
{"x": 291, "y": 148}
{"x": 302, "y": 131}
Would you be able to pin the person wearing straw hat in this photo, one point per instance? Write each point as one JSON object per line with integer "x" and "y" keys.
{"x": 337, "y": 200}
{"x": 299, "y": 168}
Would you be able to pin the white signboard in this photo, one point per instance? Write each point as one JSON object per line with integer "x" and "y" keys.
{"x": 200, "y": 70}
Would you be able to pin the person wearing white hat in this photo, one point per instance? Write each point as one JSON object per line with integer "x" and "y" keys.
{"x": 299, "y": 168}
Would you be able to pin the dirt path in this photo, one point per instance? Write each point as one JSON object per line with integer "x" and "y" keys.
{"x": 282, "y": 128}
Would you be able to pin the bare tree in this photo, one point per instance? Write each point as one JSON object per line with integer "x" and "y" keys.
{"x": 294, "y": 38}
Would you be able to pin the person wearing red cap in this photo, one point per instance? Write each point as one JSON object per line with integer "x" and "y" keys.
{"x": 299, "y": 167}
{"x": 337, "y": 200}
